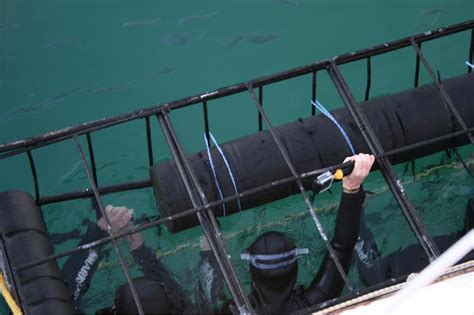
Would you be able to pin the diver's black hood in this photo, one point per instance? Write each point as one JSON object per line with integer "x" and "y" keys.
{"x": 152, "y": 295}
{"x": 273, "y": 286}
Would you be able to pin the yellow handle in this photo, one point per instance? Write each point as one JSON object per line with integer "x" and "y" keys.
{"x": 338, "y": 174}
{"x": 8, "y": 297}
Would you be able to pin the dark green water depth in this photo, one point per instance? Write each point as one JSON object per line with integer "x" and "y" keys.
{"x": 71, "y": 61}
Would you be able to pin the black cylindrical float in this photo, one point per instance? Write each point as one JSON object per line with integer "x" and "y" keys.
{"x": 398, "y": 120}
{"x": 42, "y": 286}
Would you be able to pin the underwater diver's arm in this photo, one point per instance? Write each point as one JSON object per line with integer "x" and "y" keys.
{"x": 328, "y": 283}
{"x": 80, "y": 267}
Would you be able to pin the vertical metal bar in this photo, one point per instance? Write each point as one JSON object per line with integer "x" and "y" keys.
{"x": 210, "y": 228}
{"x": 260, "y": 98}
{"x": 206, "y": 120}
{"x": 448, "y": 102}
{"x": 386, "y": 168}
{"x": 417, "y": 67}
{"x": 369, "y": 79}
{"x": 109, "y": 226}
{"x": 313, "y": 92}
{"x": 92, "y": 158}
{"x": 471, "y": 51}
{"x": 35, "y": 176}
{"x": 284, "y": 153}
{"x": 149, "y": 142}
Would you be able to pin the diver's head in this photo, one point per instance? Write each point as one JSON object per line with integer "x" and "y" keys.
{"x": 469, "y": 217}
{"x": 151, "y": 294}
{"x": 273, "y": 265}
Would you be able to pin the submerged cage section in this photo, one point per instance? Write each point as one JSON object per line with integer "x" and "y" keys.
{"x": 389, "y": 127}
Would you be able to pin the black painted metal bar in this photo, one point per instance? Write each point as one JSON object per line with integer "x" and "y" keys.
{"x": 109, "y": 225}
{"x": 104, "y": 190}
{"x": 386, "y": 168}
{"x": 149, "y": 143}
{"x": 369, "y": 79}
{"x": 417, "y": 67}
{"x": 446, "y": 98}
{"x": 260, "y": 99}
{"x": 69, "y": 132}
{"x": 146, "y": 183}
{"x": 471, "y": 51}
{"x": 92, "y": 158}
{"x": 35, "y": 175}
{"x": 17, "y": 294}
{"x": 210, "y": 227}
{"x": 284, "y": 153}
{"x": 313, "y": 91}
{"x": 206, "y": 121}
{"x": 232, "y": 198}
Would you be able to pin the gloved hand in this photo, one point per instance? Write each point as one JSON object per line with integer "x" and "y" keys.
{"x": 119, "y": 218}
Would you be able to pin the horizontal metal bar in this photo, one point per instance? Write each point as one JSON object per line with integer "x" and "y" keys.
{"x": 232, "y": 198}
{"x": 146, "y": 183}
{"x": 68, "y": 132}
{"x": 89, "y": 193}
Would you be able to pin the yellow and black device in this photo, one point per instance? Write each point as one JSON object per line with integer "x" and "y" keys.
{"x": 324, "y": 181}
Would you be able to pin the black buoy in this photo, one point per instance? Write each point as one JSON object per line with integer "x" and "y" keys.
{"x": 26, "y": 239}
{"x": 398, "y": 120}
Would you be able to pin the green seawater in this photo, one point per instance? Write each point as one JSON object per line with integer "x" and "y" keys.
{"x": 71, "y": 61}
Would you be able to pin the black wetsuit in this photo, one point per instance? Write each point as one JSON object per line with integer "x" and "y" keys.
{"x": 328, "y": 283}
{"x": 80, "y": 268}
{"x": 374, "y": 269}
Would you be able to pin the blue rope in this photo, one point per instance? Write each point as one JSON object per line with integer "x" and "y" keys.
{"x": 228, "y": 168}
{"x": 231, "y": 175}
{"x": 214, "y": 172}
{"x": 323, "y": 110}
{"x": 469, "y": 65}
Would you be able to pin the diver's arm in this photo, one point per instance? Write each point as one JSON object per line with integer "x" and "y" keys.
{"x": 328, "y": 283}
{"x": 80, "y": 267}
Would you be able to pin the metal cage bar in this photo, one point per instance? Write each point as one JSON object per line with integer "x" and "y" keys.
{"x": 149, "y": 143}
{"x": 314, "y": 83}
{"x": 446, "y": 98}
{"x": 260, "y": 99}
{"x": 284, "y": 153}
{"x": 209, "y": 224}
{"x": 228, "y": 199}
{"x": 369, "y": 79}
{"x": 385, "y": 166}
{"x": 417, "y": 66}
{"x": 34, "y": 174}
{"x": 109, "y": 226}
{"x": 471, "y": 51}
{"x": 206, "y": 121}
{"x": 69, "y": 132}
{"x": 92, "y": 157}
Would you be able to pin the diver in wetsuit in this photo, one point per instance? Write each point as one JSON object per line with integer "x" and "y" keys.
{"x": 80, "y": 267}
{"x": 273, "y": 256}
{"x": 373, "y": 268}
